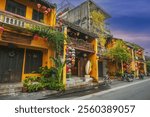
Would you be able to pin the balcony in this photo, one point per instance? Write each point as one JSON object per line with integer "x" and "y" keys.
{"x": 82, "y": 45}
{"x": 19, "y": 21}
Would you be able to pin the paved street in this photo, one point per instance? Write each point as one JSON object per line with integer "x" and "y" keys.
{"x": 137, "y": 90}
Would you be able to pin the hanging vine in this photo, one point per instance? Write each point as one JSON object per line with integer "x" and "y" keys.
{"x": 98, "y": 23}
{"x": 53, "y": 37}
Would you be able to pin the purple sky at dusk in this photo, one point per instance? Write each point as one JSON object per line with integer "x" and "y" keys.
{"x": 130, "y": 19}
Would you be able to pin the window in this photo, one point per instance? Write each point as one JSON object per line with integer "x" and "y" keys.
{"x": 15, "y": 7}
{"x": 33, "y": 60}
{"x": 38, "y": 16}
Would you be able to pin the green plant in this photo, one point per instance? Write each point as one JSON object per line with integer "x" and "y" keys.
{"x": 32, "y": 84}
{"x": 99, "y": 24}
{"x": 148, "y": 66}
{"x": 59, "y": 65}
{"x": 46, "y": 72}
{"x": 34, "y": 87}
{"x": 54, "y": 37}
{"x": 119, "y": 74}
{"x": 55, "y": 85}
{"x": 119, "y": 53}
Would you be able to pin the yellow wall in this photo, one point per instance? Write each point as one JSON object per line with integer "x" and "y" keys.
{"x": 49, "y": 19}
{"x": 64, "y": 57}
{"x": 2, "y": 4}
{"x": 94, "y": 61}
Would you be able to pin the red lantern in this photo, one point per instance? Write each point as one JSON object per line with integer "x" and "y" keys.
{"x": 61, "y": 13}
{"x": 46, "y": 12}
{"x": 44, "y": 8}
{"x": 60, "y": 24}
{"x": 1, "y": 29}
{"x": 48, "y": 9}
{"x": 36, "y": 37}
{"x": 39, "y": 6}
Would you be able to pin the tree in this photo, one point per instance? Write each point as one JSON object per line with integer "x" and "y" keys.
{"x": 119, "y": 53}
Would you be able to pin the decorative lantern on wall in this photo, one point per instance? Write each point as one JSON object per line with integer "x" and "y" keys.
{"x": 70, "y": 58}
{"x": 46, "y": 12}
{"x": 44, "y": 8}
{"x": 39, "y": 6}
{"x": 49, "y": 10}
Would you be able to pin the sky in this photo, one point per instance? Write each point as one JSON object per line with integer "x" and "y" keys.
{"x": 130, "y": 19}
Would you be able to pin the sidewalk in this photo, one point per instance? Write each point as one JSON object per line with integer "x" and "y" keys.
{"x": 47, "y": 93}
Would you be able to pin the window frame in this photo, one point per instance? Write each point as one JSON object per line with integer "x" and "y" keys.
{"x": 15, "y": 7}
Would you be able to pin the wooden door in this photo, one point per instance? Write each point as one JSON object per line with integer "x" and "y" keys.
{"x": 81, "y": 67}
{"x": 100, "y": 69}
{"x": 11, "y": 62}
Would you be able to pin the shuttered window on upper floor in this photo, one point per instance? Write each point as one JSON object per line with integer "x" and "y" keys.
{"x": 38, "y": 16}
{"x": 15, "y": 7}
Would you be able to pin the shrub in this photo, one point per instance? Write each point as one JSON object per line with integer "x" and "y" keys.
{"x": 32, "y": 84}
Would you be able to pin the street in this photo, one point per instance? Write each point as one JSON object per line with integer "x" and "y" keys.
{"x": 137, "y": 90}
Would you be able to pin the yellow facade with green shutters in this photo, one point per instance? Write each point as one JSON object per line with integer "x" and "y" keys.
{"x": 137, "y": 63}
{"x": 23, "y": 42}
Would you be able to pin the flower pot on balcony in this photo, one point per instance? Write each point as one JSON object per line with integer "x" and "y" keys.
{"x": 1, "y": 30}
{"x": 36, "y": 37}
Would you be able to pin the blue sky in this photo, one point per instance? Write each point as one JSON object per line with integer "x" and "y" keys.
{"x": 130, "y": 19}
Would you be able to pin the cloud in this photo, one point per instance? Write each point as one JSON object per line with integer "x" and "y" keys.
{"x": 142, "y": 39}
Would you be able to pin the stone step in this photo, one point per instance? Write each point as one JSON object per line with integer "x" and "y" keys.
{"x": 10, "y": 89}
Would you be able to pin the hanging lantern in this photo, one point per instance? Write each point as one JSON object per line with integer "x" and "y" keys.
{"x": 86, "y": 37}
{"x": 60, "y": 23}
{"x": 61, "y": 20}
{"x": 85, "y": 55}
{"x": 1, "y": 29}
{"x": 39, "y": 6}
{"x": 61, "y": 13}
{"x": 44, "y": 8}
{"x": 49, "y": 10}
{"x": 46, "y": 12}
{"x": 78, "y": 33}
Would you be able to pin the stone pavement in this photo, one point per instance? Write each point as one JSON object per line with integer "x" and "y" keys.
{"x": 47, "y": 93}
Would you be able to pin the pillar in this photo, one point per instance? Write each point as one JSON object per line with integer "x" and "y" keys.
{"x": 64, "y": 57}
{"x": 2, "y": 5}
{"x": 94, "y": 61}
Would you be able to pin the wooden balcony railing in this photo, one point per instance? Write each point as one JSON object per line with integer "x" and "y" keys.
{"x": 82, "y": 45}
{"x": 17, "y": 20}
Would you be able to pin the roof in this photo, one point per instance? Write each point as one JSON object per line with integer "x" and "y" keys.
{"x": 100, "y": 8}
{"x": 78, "y": 28}
{"x": 133, "y": 45}
{"x": 46, "y": 3}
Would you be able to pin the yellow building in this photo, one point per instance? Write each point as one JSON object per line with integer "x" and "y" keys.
{"x": 21, "y": 52}
{"x": 78, "y": 50}
{"x": 137, "y": 63}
